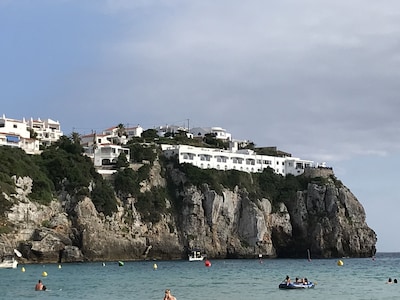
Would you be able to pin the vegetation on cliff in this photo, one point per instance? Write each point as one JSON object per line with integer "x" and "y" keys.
{"x": 62, "y": 167}
{"x": 229, "y": 213}
{"x": 267, "y": 184}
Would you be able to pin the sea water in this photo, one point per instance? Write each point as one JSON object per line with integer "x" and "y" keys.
{"x": 224, "y": 280}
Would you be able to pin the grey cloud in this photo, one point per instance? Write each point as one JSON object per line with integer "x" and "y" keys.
{"x": 311, "y": 77}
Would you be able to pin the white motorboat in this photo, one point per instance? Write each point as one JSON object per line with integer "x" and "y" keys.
{"x": 8, "y": 262}
{"x": 196, "y": 255}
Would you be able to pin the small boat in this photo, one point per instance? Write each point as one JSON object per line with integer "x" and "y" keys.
{"x": 296, "y": 285}
{"x": 8, "y": 262}
{"x": 196, "y": 255}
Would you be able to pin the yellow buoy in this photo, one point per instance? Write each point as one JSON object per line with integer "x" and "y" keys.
{"x": 44, "y": 274}
{"x": 155, "y": 267}
{"x": 22, "y": 269}
{"x": 340, "y": 263}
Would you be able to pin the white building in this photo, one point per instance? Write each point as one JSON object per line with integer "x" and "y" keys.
{"x": 101, "y": 149}
{"x": 15, "y": 133}
{"x": 135, "y": 131}
{"x": 122, "y": 135}
{"x": 47, "y": 131}
{"x": 170, "y": 129}
{"x": 245, "y": 160}
{"x": 105, "y": 155}
{"x": 218, "y": 132}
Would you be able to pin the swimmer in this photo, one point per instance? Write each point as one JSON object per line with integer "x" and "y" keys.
{"x": 39, "y": 286}
{"x": 168, "y": 295}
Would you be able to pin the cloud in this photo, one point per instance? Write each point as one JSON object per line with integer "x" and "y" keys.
{"x": 301, "y": 75}
{"x": 316, "y": 79}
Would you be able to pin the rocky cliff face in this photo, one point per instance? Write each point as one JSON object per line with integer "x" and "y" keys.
{"x": 326, "y": 219}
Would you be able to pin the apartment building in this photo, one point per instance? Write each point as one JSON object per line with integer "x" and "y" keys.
{"x": 15, "y": 133}
{"x": 47, "y": 131}
{"x": 242, "y": 160}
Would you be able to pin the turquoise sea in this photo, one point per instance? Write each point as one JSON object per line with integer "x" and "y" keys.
{"x": 223, "y": 280}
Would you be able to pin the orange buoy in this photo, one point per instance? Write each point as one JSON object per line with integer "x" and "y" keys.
{"x": 207, "y": 263}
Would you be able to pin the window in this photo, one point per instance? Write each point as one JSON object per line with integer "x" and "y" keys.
{"x": 237, "y": 160}
{"x": 250, "y": 162}
{"x": 221, "y": 159}
{"x": 205, "y": 157}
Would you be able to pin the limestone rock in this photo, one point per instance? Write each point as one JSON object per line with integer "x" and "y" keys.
{"x": 326, "y": 218}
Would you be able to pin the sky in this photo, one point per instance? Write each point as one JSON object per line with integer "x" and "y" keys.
{"x": 317, "y": 79}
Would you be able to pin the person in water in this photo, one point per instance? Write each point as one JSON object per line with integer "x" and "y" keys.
{"x": 39, "y": 286}
{"x": 168, "y": 295}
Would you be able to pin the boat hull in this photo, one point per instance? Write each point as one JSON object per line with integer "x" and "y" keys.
{"x": 196, "y": 258}
{"x": 9, "y": 264}
{"x": 294, "y": 286}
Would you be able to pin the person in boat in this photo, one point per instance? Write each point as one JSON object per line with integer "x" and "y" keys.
{"x": 39, "y": 286}
{"x": 168, "y": 295}
{"x": 287, "y": 279}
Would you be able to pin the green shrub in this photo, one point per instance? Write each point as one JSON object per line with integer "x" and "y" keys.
{"x": 151, "y": 204}
{"x": 103, "y": 197}
{"x": 126, "y": 182}
{"x": 142, "y": 152}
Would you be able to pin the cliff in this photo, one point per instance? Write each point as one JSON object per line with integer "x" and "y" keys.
{"x": 324, "y": 218}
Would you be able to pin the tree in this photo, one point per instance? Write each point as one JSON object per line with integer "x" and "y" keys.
{"x": 75, "y": 137}
{"x": 122, "y": 161}
{"x": 150, "y": 134}
{"x": 121, "y": 130}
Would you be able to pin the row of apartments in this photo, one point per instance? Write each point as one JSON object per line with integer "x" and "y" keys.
{"x": 104, "y": 148}
{"x": 245, "y": 160}
{"x": 30, "y": 134}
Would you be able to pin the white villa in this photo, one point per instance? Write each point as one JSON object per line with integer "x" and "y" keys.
{"x": 163, "y": 130}
{"x": 128, "y": 133}
{"x": 102, "y": 149}
{"x": 17, "y": 133}
{"x": 242, "y": 160}
{"x": 218, "y": 132}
